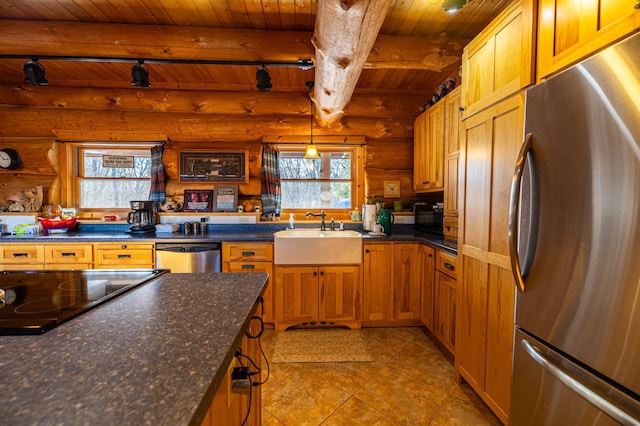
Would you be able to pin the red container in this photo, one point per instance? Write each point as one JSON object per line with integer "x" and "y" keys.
{"x": 48, "y": 224}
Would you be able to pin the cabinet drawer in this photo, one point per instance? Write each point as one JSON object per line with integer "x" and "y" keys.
{"x": 447, "y": 263}
{"x": 26, "y": 254}
{"x": 250, "y": 267}
{"x": 247, "y": 252}
{"x": 68, "y": 253}
{"x": 123, "y": 255}
{"x": 451, "y": 228}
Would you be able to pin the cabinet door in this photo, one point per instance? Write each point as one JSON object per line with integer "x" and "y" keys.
{"x": 499, "y": 61}
{"x": 340, "y": 293}
{"x": 377, "y": 282}
{"x": 445, "y": 310}
{"x": 420, "y": 162}
{"x": 407, "y": 281}
{"x": 489, "y": 148}
{"x": 427, "y": 293}
{"x": 296, "y": 296}
{"x": 452, "y": 152}
{"x": 267, "y": 296}
{"x": 435, "y": 148}
{"x": 570, "y": 31}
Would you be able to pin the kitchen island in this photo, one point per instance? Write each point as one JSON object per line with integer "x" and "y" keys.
{"x": 156, "y": 354}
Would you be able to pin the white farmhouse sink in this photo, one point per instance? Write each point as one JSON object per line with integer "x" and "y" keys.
{"x": 315, "y": 247}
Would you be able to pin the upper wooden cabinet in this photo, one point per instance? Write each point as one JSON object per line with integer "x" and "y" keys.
{"x": 499, "y": 61}
{"x": 571, "y": 30}
{"x": 428, "y": 150}
{"x": 452, "y": 151}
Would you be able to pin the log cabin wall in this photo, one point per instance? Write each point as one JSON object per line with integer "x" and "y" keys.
{"x": 34, "y": 117}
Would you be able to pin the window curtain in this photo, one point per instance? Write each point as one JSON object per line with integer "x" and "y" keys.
{"x": 158, "y": 177}
{"x": 270, "y": 174}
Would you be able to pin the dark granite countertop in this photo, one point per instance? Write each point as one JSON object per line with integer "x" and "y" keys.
{"x": 222, "y": 234}
{"x": 154, "y": 355}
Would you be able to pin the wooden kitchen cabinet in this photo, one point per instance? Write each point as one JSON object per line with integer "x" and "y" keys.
{"x": 500, "y": 60}
{"x": 484, "y": 327}
{"x": 252, "y": 257}
{"x": 68, "y": 256}
{"x": 392, "y": 280}
{"x": 21, "y": 256}
{"x": 407, "y": 281}
{"x": 569, "y": 31}
{"x": 452, "y": 116}
{"x": 445, "y": 290}
{"x": 377, "y": 289}
{"x": 427, "y": 293}
{"x": 317, "y": 295}
{"x": 123, "y": 255}
{"x": 428, "y": 157}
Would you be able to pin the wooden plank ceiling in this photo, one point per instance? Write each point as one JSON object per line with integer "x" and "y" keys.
{"x": 417, "y": 47}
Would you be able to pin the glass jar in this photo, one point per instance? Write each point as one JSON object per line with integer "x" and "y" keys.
{"x": 52, "y": 211}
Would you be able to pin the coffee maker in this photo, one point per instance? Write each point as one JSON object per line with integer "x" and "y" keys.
{"x": 142, "y": 217}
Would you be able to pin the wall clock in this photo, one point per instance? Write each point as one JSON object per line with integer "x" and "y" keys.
{"x": 9, "y": 159}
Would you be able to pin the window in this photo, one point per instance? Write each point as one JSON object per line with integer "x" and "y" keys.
{"x": 108, "y": 177}
{"x": 328, "y": 183}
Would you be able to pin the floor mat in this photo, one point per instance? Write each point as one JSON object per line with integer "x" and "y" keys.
{"x": 327, "y": 345}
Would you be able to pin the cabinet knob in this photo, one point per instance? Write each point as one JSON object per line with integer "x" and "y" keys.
{"x": 315, "y": 274}
{"x": 124, "y": 246}
{"x": 637, "y": 5}
{"x": 322, "y": 273}
{"x": 461, "y": 109}
{"x": 366, "y": 250}
{"x": 430, "y": 255}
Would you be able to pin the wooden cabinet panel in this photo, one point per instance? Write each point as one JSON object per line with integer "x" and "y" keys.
{"x": 68, "y": 253}
{"x": 490, "y": 143}
{"x": 427, "y": 293}
{"x": 317, "y": 295}
{"x": 428, "y": 169}
{"x": 571, "y": 30}
{"x": 499, "y": 62}
{"x": 445, "y": 310}
{"x": 447, "y": 263}
{"x": 452, "y": 152}
{"x": 340, "y": 294}
{"x": 377, "y": 282}
{"x": 124, "y": 255}
{"x": 407, "y": 280}
{"x": 296, "y": 295}
{"x": 28, "y": 254}
{"x": 252, "y": 257}
{"x": 247, "y": 252}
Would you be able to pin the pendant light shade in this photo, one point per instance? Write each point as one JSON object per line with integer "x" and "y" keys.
{"x": 311, "y": 152}
{"x": 452, "y": 6}
{"x": 140, "y": 75}
{"x": 264, "y": 79}
{"x": 34, "y": 73}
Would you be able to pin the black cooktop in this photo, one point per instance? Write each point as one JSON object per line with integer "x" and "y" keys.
{"x": 37, "y": 301}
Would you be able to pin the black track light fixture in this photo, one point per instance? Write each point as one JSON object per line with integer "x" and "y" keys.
{"x": 264, "y": 79}
{"x": 34, "y": 73}
{"x": 140, "y": 75}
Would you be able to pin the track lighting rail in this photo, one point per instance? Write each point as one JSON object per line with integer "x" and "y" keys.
{"x": 304, "y": 64}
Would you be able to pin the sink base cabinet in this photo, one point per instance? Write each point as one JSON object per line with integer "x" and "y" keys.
{"x": 317, "y": 296}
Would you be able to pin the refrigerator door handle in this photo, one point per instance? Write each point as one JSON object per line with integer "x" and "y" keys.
{"x": 514, "y": 206}
{"x": 568, "y": 379}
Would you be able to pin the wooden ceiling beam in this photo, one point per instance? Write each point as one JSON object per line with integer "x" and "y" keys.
{"x": 201, "y": 102}
{"x": 344, "y": 35}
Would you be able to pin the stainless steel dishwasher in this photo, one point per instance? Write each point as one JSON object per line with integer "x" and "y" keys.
{"x": 189, "y": 257}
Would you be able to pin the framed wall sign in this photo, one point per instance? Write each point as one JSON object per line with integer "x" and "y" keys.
{"x": 225, "y": 198}
{"x": 198, "y": 200}
{"x": 391, "y": 189}
{"x": 214, "y": 166}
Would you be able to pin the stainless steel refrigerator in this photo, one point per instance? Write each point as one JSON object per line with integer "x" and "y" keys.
{"x": 574, "y": 230}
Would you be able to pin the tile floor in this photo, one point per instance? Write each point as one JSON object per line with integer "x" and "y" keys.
{"x": 411, "y": 382}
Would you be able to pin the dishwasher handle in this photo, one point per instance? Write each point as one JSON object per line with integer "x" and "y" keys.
{"x": 188, "y": 247}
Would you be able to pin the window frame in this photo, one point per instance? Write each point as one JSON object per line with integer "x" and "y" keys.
{"x": 72, "y": 173}
{"x": 357, "y": 179}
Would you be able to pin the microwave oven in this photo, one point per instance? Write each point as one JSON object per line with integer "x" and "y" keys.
{"x": 429, "y": 217}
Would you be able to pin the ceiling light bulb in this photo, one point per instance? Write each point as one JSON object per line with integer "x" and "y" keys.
{"x": 311, "y": 153}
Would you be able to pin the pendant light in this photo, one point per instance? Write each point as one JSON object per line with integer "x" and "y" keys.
{"x": 311, "y": 152}
{"x": 140, "y": 75}
{"x": 34, "y": 73}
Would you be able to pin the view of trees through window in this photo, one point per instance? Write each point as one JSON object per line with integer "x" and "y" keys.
{"x": 316, "y": 184}
{"x": 113, "y": 187}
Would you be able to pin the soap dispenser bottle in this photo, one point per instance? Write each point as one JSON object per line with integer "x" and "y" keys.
{"x": 291, "y": 220}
